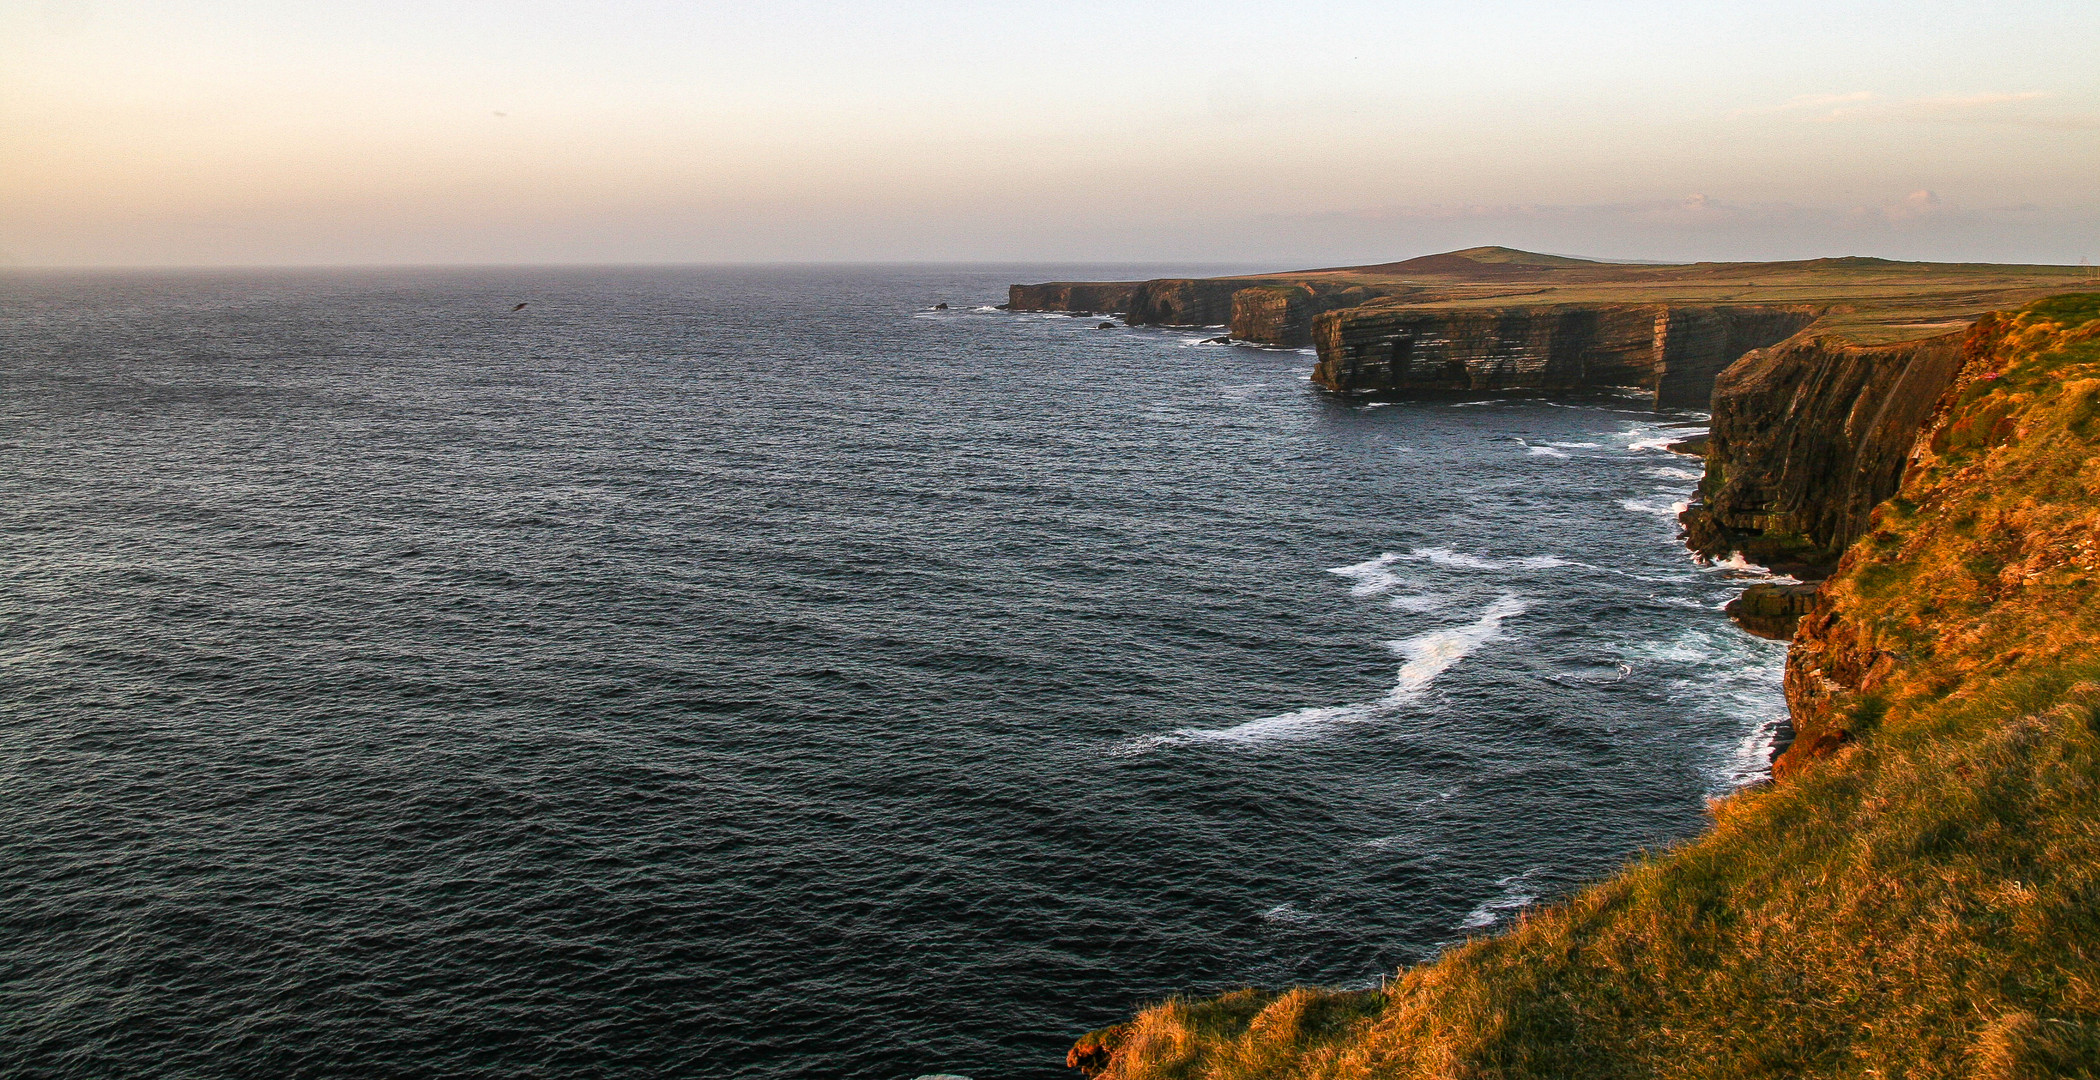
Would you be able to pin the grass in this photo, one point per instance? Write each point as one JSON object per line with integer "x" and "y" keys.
{"x": 1862, "y": 301}
{"x": 1924, "y": 902}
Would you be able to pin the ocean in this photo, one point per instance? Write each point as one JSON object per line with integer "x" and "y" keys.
{"x": 756, "y": 672}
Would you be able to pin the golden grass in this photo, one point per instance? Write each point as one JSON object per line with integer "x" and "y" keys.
{"x": 1923, "y": 903}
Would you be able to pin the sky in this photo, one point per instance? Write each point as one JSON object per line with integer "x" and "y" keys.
{"x": 1263, "y": 134}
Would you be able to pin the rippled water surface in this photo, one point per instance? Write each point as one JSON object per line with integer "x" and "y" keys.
{"x": 754, "y": 673}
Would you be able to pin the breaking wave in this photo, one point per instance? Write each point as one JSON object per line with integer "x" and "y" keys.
{"x": 1426, "y": 656}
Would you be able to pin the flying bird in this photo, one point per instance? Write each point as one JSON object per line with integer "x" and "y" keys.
{"x": 520, "y": 307}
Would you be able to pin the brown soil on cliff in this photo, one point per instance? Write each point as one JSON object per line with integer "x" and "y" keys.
{"x": 1921, "y": 901}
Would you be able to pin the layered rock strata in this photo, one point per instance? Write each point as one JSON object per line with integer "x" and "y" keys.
{"x": 1264, "y": 314}
{"x": 1284, "y": 314}
{"x": 1160, "y": 302}
{"x": 1806, "y": 438}
{"x": 1771, "y": 610}
{"x": 1673, "y": 350}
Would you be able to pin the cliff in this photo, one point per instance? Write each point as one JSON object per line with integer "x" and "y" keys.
{"x": 1161, "y": 301}
{"x": 1806, "y": 438}
{"x": 1284, "y": 314}
{"x": 1264, "y": 313}
{"x": 1674, "y": 351}
{"x": 1986, "y": 558}
{"x": 1919, "y": 894}
{"x": 1491, "y": 319}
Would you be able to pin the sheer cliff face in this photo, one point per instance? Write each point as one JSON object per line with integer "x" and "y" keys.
{"x": 1673, "y": 350}
{"x": 1183, "y": 302}
{"x": 1986, "y": 560}
{"x": 1284, "y": 314}
{"x": 1807, "y": 437}
{"x": 1079, "y": 297}
{"x": 1161, "y": 302}
{"x": 1264, "y": 314}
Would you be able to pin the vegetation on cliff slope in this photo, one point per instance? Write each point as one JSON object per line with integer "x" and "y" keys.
{"x": 1922, "y": 900}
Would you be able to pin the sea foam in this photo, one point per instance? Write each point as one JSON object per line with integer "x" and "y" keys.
{"x": 1430, "y": 655}
{"x": 1518, "y": 893}
{"x": 1427, "y": 656}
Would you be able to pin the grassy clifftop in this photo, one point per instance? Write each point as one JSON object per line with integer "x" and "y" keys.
{"x": 1918, "y": 897}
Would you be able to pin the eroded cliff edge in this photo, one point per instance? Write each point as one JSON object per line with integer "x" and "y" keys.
{"x": 1807, "y": 437}
{"x": 1674, "y": 350}
{"x": 1919, "y": 895}
{"x": 1489, "y": 320}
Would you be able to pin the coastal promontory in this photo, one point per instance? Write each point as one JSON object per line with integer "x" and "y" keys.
{"x": 1496, "y": 319}
{"x": 1917, "y": 891}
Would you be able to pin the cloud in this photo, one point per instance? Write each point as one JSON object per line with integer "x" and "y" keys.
{"x": 1694, "y": 214}
{"x": 1865, "y": 106}
{"x": 1809, "y": 103}
{"x": 1915, "y": 205}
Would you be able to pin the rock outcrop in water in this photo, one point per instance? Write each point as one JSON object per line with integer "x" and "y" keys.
{"x": 1771, "y": 610}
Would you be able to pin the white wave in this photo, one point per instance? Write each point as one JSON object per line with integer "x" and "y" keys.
{"x": 1453, "y": 560}
{"x": 1668, "y": 473}
{"x": 1518, "y": 893}
{"x": 1372, "y": 577}
{"x": 1428, "y": 656}
{"x": 985, "y": 309}
{"x": 1288, "y": 912}
{"x": 1736, "y": 562}
{"x": 1545, "y": 451}
{"x": 1577, "y": 445}
{"x": 1688, "y": 647}
{"x": 1655, "y": 436}
{"x": 1657, "y": 508}
{"x": 1419, "y": 603}
{"x": 1296, "y": 724}
{"x": 1750, "y": 760}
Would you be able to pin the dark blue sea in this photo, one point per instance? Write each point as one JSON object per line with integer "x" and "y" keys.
{"x": 758, "y": 673}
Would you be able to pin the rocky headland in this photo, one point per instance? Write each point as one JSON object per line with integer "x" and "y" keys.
{"x": 1501, "y": 320}
{"x": 1918, "y": 892}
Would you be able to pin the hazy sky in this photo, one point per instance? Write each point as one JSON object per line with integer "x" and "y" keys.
{"x": 363, "y": 131}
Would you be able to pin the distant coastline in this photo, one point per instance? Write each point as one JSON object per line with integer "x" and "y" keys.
{"x": 1497, "y": 319}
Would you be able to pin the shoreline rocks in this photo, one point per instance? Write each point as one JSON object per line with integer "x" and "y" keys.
{"x": 1771, "y": 610}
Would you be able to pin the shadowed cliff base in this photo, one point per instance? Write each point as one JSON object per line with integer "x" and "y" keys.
{"x": 1917, "y": 895}
{"x": 1496, "y": 319}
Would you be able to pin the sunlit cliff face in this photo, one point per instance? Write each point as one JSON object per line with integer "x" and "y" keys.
{"x": 239, "y": 132}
